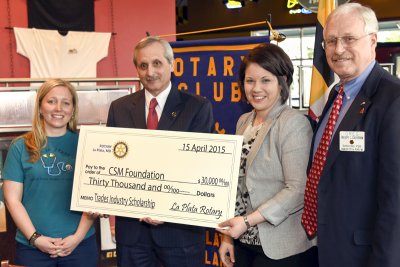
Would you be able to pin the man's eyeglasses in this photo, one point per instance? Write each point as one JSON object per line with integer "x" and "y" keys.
{"x": 346, "y": 41}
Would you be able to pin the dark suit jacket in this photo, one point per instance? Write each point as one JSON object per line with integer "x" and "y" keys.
{"x": 182, "y": 112}
{"x": 359, "y": 192}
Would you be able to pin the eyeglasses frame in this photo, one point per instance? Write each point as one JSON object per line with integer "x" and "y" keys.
{"x": 324, "y": 46}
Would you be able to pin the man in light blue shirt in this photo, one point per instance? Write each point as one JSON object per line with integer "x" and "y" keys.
{"x": 358, "y": 191}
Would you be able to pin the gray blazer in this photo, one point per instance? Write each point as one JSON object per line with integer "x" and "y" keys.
{"x": 276, "y": 178}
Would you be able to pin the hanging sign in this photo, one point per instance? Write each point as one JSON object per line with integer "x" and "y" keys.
{"x": 292, "y": 6}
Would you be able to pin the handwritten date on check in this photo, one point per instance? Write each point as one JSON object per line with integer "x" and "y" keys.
{"x": 179, "y": 177}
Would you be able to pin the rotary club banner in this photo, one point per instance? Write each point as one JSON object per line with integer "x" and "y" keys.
{"x": 210, "y": 68}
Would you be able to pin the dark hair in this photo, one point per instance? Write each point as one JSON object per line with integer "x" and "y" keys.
{"x": 273, "y": 59}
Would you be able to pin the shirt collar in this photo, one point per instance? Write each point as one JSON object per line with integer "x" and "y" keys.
{"x": 351, "y": 88}
{"x": 161, "y": 97}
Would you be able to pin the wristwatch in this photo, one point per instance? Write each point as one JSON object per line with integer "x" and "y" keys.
{"x": 246, "y": 221}
{"x": 33, "y": 238}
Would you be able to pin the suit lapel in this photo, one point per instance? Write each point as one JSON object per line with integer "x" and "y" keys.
{"x": 258, "y": 142}
{"x": 137, "y": 112}
{"x": 349, "y": 123}
{"x": 357, "y": 111}
{"x": 172, "y": 109}
{"x": 268, "y": 123}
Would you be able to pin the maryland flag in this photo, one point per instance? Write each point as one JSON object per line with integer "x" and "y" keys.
{"x": 322, "y": 76}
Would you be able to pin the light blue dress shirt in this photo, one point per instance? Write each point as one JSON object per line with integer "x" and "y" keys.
{"x": 351, "y": 89}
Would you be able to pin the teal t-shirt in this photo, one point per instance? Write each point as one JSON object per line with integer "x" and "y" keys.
{"x": 47, "y": 185}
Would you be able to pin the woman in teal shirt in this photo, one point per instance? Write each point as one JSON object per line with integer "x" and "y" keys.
{"x": 38, "y": 175}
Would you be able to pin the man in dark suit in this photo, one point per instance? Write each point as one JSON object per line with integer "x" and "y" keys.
{"x": 147, "y": 242}
{"x": 358, "y": 195}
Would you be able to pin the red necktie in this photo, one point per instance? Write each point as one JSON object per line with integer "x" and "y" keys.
{"x": 309, "y": 216}
{"x": 152, "y": 118}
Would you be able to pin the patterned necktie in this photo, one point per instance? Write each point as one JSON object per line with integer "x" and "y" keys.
{"x": 309, "y": 216}
{"x": 152, "y": 118}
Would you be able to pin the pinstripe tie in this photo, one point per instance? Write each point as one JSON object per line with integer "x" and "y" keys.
{"x": 309, "y": 216}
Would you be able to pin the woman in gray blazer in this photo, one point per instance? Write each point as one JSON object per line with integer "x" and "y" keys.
{"x": 266, "y": 227}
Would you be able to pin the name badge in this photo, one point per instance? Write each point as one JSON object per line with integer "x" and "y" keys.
{"x": 352, "y": 141}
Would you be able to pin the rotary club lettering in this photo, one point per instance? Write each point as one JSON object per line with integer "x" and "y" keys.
{"x": 206, "y": 73}
{"x": 213, "y": 240}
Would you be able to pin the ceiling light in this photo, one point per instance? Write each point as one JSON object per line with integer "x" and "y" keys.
{"x": 233, "y": 4}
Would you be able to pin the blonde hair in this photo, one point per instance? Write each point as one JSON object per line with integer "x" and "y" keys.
{"x": 37, "y": 139}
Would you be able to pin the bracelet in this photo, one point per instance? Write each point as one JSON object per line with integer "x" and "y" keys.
{"x": 33, "y": 238}
{"x": 246, "y": 221}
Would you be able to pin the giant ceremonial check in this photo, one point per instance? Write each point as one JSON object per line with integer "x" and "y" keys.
{"x": 179, "y": 177}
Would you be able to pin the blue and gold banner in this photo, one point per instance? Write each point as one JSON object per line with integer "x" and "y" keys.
{"x": 210, "y": 68}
